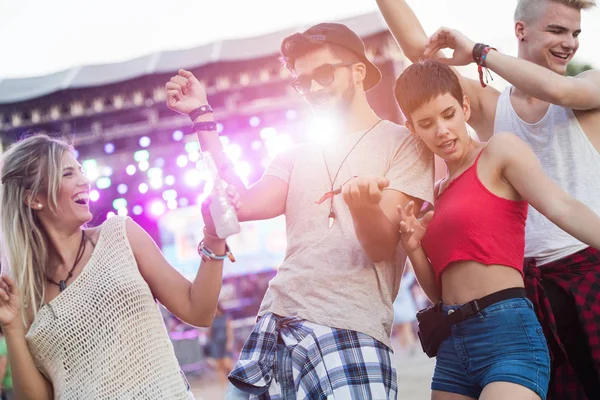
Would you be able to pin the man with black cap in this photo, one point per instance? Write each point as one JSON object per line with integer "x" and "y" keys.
{"x": 325, "y": 322}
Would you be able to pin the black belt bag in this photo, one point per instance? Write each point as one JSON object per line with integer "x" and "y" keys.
{"x": 435, "y": 326}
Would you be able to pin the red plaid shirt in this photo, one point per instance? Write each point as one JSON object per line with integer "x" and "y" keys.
{"x": 579, "y": 275}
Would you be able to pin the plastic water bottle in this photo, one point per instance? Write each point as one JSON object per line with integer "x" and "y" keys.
{"x": 222, "y": 212}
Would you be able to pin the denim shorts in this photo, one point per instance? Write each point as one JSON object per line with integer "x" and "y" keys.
{"x": 502, "y": 343}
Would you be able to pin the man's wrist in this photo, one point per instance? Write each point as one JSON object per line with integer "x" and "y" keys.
{"x": 476, "y": 52}
{"x": 365, "y": 210}
{"x": 215, "y": 244}
{"x": 208, "y": 117}
{"x": 203, "y": 109}
{"x": 480, "y": 52}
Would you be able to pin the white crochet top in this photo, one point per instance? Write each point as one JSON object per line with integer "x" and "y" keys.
{"x": 103, "y": 337}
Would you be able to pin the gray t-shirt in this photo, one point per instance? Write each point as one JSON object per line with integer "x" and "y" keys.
{"x": 326, "y": 277}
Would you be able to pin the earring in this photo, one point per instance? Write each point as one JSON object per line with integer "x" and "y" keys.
{"x": 39, "y": 205}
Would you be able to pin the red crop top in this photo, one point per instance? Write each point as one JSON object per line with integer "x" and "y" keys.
{"x": 472, "y": 223}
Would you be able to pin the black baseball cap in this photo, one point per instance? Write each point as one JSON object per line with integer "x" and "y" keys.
{"x": 340, "y": 35}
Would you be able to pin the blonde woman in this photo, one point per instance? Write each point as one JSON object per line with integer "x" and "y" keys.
{"x": 80, "y": 316}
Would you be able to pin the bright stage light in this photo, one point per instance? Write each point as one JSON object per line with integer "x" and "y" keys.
{"x": 143, "y": 188}
{"x": 322, "y": 130}
{"x": 169, "y": 180}
{"x": 119, "y": 203}
{"x": 156, "y": 183}
{"x": 182, "y": 161}
{"x": 268, "y": 133}
{"x": 278, "y": 144}
{"x": 254, "y": 121}
{"x": 155, "y": 173}
{"x": 94, "y": 195}
{"x": 90, "y": 168}
{"x": 177, "y": 135}
{"x": 143, "y": 165}
{"x": 192, "y": 146}
{"x": 141, "y": 155}
{"x": 103, "y": 183}
{"x": 172, "y": 204}
{"x": 144, "y": 141}
{"x": 243, "y": 170}
{"x": 169, "y": 195}
{"x": 194, "y": 156}
{"x": 233, "y": 151}
{"x": 193, "y": 177}
{"x": 130, "y": 169}
{"x": 157, "y": 208}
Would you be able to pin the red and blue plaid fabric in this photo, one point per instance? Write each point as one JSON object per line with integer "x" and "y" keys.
{"x": 579, "y": 275}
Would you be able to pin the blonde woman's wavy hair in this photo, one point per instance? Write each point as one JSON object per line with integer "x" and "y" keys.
{"x": 30, "y": 167}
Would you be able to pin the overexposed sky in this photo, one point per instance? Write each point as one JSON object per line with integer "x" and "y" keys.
{"x": 38, "y": 37}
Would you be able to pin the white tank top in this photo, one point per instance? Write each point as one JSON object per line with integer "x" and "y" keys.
{"x": 569, "y": 158}
{"x": 103, "y": 337}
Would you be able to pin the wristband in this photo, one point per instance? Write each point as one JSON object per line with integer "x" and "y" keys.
{"x": 205, "y": 109}
{"x": 205, "y": 126}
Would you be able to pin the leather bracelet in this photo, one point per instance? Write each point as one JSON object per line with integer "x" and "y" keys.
{"x": 480, "y": 53}
{"x": 205, "y": 109}
{"x": 477, "y": 50}
{"x": 205, "y": 126}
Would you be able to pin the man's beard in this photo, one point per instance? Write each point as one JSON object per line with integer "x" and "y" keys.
{"x": 342, "y": 104}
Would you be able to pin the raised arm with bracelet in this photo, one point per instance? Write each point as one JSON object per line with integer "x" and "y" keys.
{"x": 263, "y": 200}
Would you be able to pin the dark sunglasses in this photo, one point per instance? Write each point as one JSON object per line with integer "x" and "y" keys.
{"x": 323, "y": 75}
